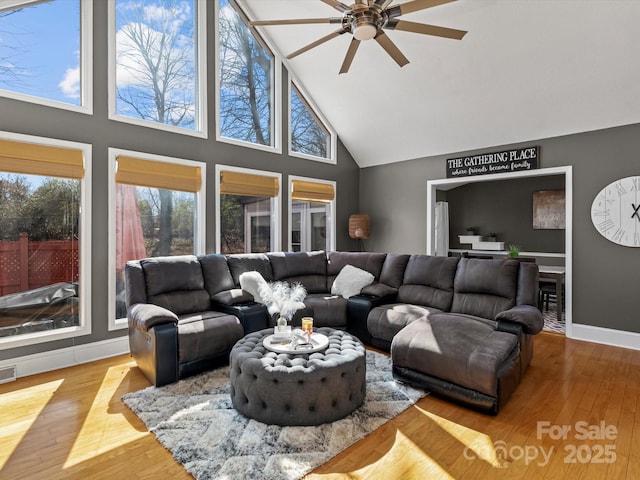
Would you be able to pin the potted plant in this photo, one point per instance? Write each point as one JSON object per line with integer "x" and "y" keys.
{"x": 491, "y": 237}
{"x": 514, "y": 251}
{"x": 471, "y": 231}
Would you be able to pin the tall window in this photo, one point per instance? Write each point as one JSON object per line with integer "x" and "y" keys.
{"x": 157, "y": 52}
{"x": 158, "y": 207}
{"x": 311, "y": 214}
{"x": 248, "y": 214}
{"x": 42, "y": 235}
{"x": 42, "y": 60}
{"x": 246, "y": 81}
{"x": 308, "y": 135}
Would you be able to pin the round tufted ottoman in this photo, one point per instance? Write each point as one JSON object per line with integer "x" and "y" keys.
{"x": 298, "y": 389}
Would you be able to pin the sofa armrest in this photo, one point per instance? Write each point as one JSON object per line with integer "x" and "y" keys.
{"x": 235, "y": 296}
{"x": 526, "y": 316}
{"x": 380, "y": 290}
{"x": 358, "y": 308}
{"x": 144, "y": 316}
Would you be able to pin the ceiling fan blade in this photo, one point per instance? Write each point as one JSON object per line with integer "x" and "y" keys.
{"x": 320, "y": 41}
{"x": 414, "y": 6}
{"x": 295, "y": 21}
{"x": 337, "y": 5}
{"x": 383, "y": 3}
{"x": 390, "y": 47}
{"x": 425, "y": 29}
{"x": 351, "y": 52}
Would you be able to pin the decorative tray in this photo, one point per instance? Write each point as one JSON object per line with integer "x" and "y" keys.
{"x": 297, "y": 343}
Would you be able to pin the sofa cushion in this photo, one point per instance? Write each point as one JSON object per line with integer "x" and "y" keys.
{"x": 455, "y": 348}
{"x": 206, "y": 334}
{"x": 215, "y": 271}
{"x": 393, "y": 269}
{"x": 485, "y": 287}
{"x": 306, "y": 268}
{"x": 326, "y": 310}
{"x": 428, "y": 281}
{"x": 350, "y": 281}
{"x": 248, "y": 262}
{"x": 169, "y": 274}
{"x": 183, "y": 301}
{"x": 371, "y": 262}
{"x": 385, "y": 321}
{"x": 251, "y": 282}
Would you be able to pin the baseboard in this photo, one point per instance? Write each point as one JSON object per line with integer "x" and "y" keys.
{"x": 606, "y": 336}
{"x": 67, "y": 357}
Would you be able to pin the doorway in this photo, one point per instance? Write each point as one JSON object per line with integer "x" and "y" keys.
{"x": 447, "y": 183}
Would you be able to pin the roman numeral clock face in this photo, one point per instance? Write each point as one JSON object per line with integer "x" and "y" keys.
{"x": 615, "y": 212}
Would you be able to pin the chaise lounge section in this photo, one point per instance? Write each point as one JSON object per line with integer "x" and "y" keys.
{"x": 477, "y": 351}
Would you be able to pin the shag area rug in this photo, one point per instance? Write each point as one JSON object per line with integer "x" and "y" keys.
{"x": 194, "y": 419}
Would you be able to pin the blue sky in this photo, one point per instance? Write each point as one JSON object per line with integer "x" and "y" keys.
{"x": 41, "y": 44}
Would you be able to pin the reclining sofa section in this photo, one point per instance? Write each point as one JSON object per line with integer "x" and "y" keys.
{"x": 460, "y": 328}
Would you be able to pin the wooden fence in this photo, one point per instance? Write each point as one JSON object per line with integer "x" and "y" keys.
{"x": 25, "y": 265}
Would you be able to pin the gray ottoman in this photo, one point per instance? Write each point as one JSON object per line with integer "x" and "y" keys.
{"x": 298, "y": 389}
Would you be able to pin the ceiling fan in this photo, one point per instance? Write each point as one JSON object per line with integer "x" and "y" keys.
{"x": 366, "y": 20}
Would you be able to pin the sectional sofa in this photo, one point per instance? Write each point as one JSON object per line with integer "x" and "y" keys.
{"x": 461, "y": 328}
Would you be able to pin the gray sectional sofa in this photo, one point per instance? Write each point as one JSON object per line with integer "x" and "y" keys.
{"x": 461, "y": 328}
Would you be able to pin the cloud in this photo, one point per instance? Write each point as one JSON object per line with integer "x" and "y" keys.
{"x": 70, "y": 83}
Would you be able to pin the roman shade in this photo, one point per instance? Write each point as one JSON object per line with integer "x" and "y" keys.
{"x": 165, "y": 175}
{"x": 251, "y": 185}
{"x": 45, "y": 160}
{"x": 312, "y": 191}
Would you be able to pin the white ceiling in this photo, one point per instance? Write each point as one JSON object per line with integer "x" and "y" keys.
{"x": 527, "y": 69}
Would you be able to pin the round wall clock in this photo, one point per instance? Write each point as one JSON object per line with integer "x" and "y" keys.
{"x": 615, "y": 212}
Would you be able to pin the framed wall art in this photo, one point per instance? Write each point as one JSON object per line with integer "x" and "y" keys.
{"x": 548, "y": 210}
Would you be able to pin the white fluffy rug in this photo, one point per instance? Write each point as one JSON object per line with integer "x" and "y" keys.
{"x": 195, "y": 420}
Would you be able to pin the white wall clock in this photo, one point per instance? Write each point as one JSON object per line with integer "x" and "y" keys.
{"x": 615, "y": 212}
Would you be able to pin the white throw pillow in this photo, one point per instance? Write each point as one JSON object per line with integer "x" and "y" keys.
{"x": 350, "y": 281}
{"x": 251, "y": 282}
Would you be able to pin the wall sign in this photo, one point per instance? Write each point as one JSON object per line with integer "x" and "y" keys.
{"x": 496, "y": 162}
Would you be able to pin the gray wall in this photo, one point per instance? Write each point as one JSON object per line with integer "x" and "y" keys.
{"x": 102, "y": 133}
{"x": 605, "y": 275}
{"x": 505, "y": 208}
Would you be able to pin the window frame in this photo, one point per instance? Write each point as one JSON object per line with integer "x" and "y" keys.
{"x": 201, "y": 85}
{"x": 84, "y": 254}
{"x": 332, "y": 209}
{"x": 276, "y": 100}
{"x": 276, "y": 214}
{"x": 200, "y": 214}
{"x": 86, "y": 69}
{"x": 333, "y": 137}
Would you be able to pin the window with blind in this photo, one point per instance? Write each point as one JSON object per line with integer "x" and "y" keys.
{"x": 158, "y": 211}
{"x": 43, "y": 282}
{"x": 248, "y": 215}
{"x": 44, "y": 61}
{"x": 311, "y": 214}
{"x": 309, "y": 136}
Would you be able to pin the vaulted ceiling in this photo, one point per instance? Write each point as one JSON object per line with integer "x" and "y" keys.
{"x": 527, "y": 69}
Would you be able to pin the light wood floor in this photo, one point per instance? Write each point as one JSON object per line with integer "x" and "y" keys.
{"x": 71, "y": 424}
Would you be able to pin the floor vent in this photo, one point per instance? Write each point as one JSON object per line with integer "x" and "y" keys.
{"x": 8, "y": 374}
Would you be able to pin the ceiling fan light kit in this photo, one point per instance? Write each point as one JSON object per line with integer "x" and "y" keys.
{"x": 367, "y": 20}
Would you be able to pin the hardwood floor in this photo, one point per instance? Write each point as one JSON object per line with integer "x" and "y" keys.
{"x": 71, "y": 424}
